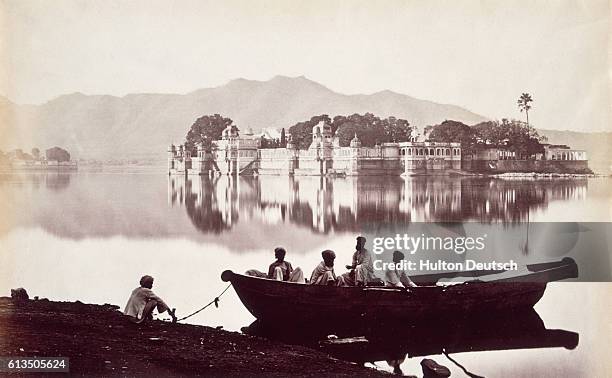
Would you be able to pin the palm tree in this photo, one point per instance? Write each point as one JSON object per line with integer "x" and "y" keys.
{"x": 523, "y": 104}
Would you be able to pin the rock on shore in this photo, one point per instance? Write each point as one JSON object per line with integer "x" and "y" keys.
{"x": 100, "y": 340}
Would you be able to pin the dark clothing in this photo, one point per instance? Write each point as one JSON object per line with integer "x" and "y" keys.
{"x": 285, "y": 266}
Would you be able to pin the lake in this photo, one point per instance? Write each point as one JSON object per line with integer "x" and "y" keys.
{"x": 90, "y": 236}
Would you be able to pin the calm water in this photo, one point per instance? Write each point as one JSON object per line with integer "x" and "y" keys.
{"x": 90, "y": 236}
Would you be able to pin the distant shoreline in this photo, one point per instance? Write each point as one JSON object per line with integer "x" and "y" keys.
{"x": 48, "y": 166}
{"x": 160, "y": 167}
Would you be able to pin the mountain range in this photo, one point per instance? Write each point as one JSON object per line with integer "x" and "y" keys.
{"x": 101, "y": 126}
{"x": 141, "y": 126}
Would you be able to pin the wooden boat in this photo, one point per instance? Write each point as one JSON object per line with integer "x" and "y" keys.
{"x": 276, "y": 302}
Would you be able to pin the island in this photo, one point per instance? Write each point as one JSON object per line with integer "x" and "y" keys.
{"x": 322, "y": 147}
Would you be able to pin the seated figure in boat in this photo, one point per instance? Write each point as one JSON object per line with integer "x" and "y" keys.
{"x": 324, "y": 274}
{"x": 361, "y": 271}
{"x": 143, "y": 301}
{"x": 395, "y": 277}
{"x": 280, "y": 269}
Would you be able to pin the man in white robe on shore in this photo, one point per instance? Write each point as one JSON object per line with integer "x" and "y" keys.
{"x": 143, "y": 301}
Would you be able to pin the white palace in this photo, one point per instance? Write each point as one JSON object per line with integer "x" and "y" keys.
{"x": 236, "y": 154}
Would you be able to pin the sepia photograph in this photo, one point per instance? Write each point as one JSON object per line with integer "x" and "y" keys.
{"x": 306, "y": 188}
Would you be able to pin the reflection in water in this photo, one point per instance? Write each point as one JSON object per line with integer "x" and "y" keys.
{"x": 518, "y": 331}
{"x": 395, "y": 343}
{"x": 202, "y": 202}
{"x": 101, "y": 225}
{"x": 353, "y": 204}
{"x": 243, "y": 213}
{"x": 58, "y": 181}
{"x": 50, "y": 180}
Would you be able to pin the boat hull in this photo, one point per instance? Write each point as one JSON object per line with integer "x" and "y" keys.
{"x": 272, "y": 301}
{"x": 276, "y": 302}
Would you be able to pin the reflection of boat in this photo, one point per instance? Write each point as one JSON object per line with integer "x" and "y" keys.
{"x": 519, "y": 330}
{"x": 273, "y": 302}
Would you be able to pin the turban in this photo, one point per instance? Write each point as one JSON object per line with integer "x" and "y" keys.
{"x": 328, "y": 254}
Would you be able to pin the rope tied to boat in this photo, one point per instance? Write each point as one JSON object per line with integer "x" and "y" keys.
{"x": 215, "y": 301}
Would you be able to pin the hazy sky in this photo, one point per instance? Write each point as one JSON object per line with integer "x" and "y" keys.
{"x": 477, "y": 54}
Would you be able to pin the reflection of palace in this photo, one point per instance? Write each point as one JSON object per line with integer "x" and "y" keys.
{"x": 357, "y": 203}
{"x": 484, "y": 199}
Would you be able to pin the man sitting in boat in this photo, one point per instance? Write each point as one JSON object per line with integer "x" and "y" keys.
{"x": 280, "y": 269}
{"x": 143, "y": 301}
{"x": 324, "y": 274}
{"x": 397, "y": 277}
{"x": 362, "y": 268}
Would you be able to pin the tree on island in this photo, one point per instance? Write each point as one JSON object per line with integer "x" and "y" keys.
{"x": 396, "y": 129}
{"x": 490, "y": 133}
{"x": 301, "y": 132}
{"x": 347, "y": 129}
{"x": 36, "y": 153}
{"x": 283, "y": 138}
{"x": 370, "y": 129}
{"x": 205, "y": 130}
{"x": 455, "y": 131}
{"x": 523, "y": 104}
{"x": 512, "y": 135}
{"x": 20, "y": 155}
{"x": 521, "y": 138}
{"x": 367, "y": 127}
{"x": 57, "y": 154}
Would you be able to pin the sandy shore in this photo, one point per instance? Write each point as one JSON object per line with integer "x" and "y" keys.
{"x": 99, "y": 340}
